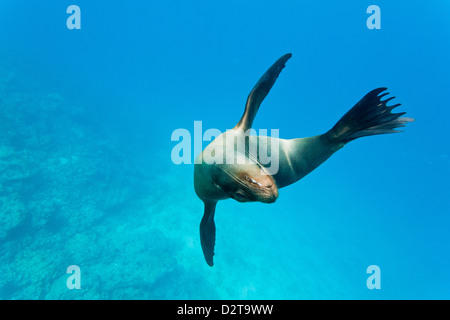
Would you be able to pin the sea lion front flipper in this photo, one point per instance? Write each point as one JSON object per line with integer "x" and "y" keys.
{"x": 208, "y": 232}
{"x": 260, "y": 91}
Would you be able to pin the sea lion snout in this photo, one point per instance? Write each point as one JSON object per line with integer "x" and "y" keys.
{"x": 268, "y": 197}
{"x": 262, "y": 188}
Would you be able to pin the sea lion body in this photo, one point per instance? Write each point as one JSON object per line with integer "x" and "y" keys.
{"x": 296, "y": 158}
{"x": 235, "y": 164}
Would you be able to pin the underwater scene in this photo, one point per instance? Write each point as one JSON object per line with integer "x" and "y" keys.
{"x": 105, "y": 105}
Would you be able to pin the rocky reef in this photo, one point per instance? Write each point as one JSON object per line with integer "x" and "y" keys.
{"x": 74, "y": 191}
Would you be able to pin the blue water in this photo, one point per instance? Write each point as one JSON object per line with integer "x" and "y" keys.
{"x": 87, "y": 179}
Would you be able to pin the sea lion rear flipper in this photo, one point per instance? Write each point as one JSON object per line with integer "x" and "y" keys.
{"x": 208, "y": 232}
{"x": 260, "y": 91}
{"x": 370, "y": 116}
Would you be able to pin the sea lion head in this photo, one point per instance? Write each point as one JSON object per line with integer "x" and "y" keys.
{"x": 248, "y": 184}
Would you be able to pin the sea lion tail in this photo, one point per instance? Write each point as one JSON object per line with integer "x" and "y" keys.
{"x": 370, "y": 116}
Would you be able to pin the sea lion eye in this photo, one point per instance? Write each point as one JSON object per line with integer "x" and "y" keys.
{"x": 240, "y": 196}
{"x": 252, "y": 180}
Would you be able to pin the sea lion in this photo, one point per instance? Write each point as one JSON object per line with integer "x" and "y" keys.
{"x": 246, "y": 178}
